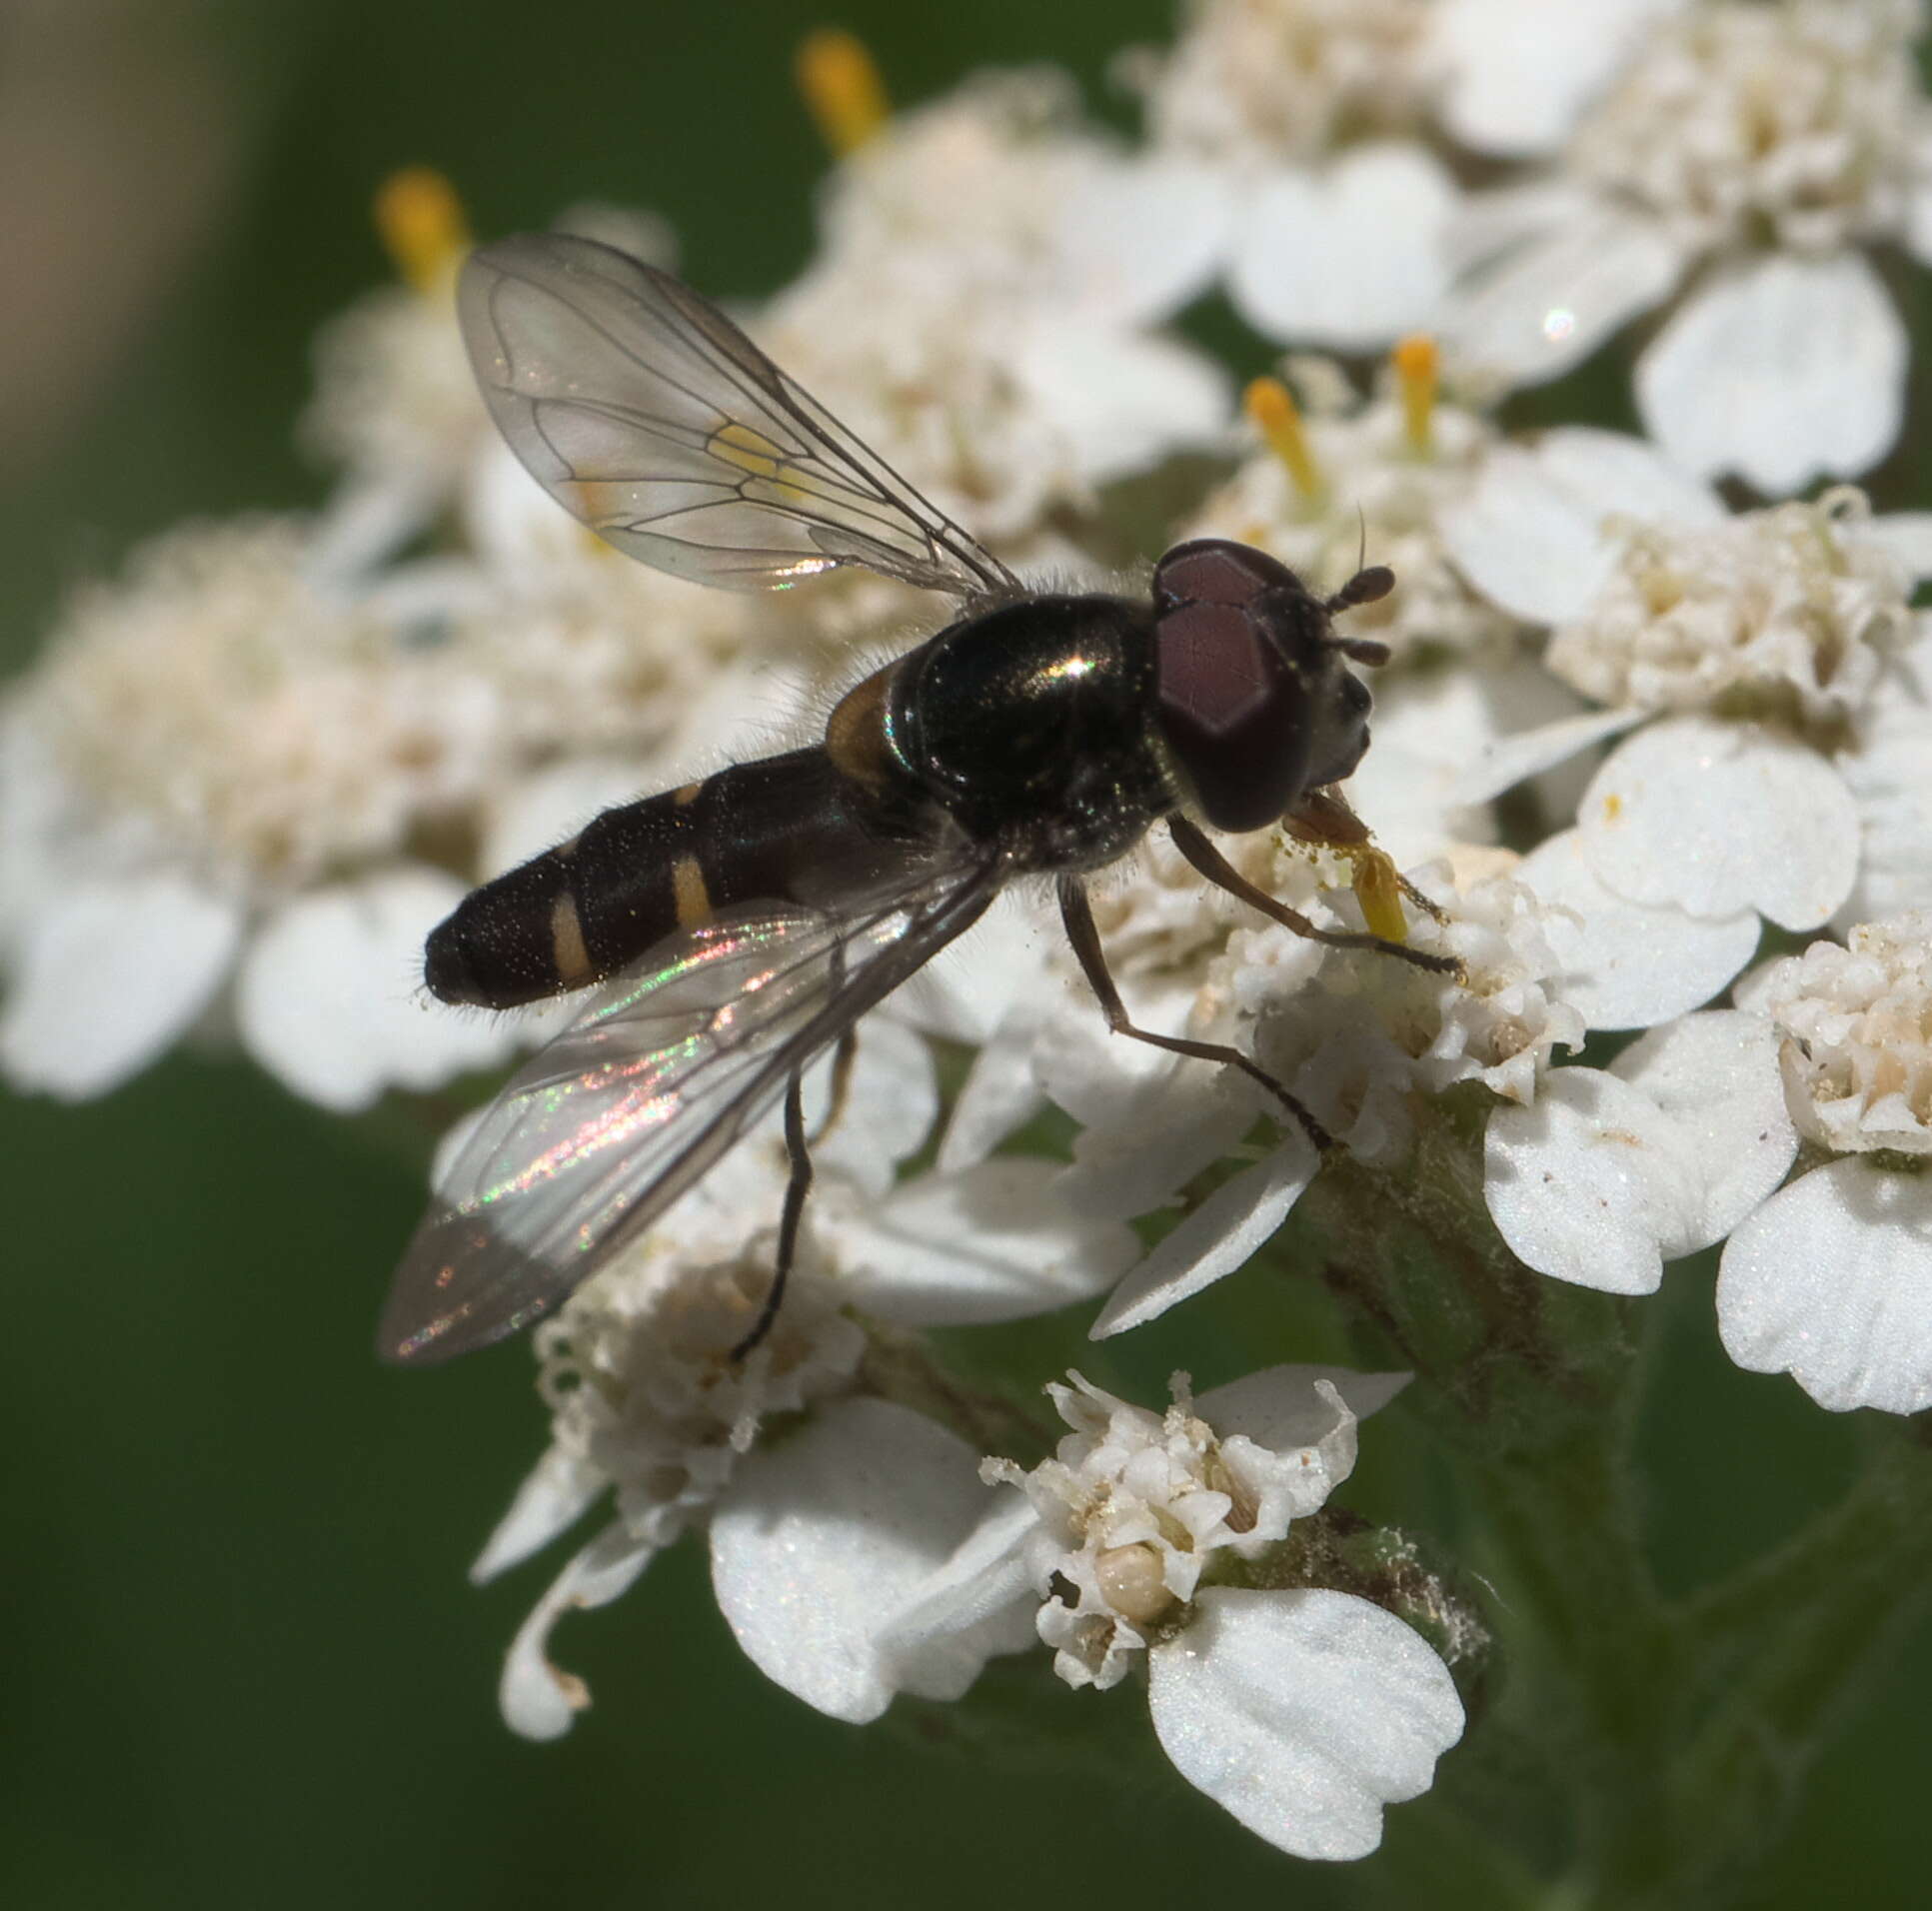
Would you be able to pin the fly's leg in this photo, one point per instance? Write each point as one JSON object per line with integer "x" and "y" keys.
{"x": 842, "y": 1060}
{"x": 1322, "y": 817}
{"x": 1076, "y": 914}
{"x": 795, "y": 1190}
{"x": 1218, "y": 869}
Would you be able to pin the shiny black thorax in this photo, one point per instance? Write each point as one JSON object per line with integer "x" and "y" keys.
{"x": 1030, "y": 724}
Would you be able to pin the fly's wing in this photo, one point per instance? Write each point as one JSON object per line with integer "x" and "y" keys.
{"x": 650, "y": 416}
{"x": 601, "y": 1132}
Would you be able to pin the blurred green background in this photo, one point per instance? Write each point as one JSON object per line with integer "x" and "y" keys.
{"x": 246, "y": 1669}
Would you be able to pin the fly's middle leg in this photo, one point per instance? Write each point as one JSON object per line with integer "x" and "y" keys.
{"x": 1077, "y": 914}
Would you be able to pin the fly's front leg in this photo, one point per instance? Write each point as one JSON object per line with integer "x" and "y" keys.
{"x": 795, "y": 1190}
{"x": 1323, "y": 819}
{"x": 1077, "y": 914}
{"x": 1198, "y": 851}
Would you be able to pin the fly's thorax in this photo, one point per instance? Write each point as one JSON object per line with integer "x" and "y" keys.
{"x": 1028, "y": 724}
{"x": 1253, "y": 696}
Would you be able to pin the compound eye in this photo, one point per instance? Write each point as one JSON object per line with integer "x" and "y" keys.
{"x": 1213, "y": 571}
{"x": 1226, "y": 698}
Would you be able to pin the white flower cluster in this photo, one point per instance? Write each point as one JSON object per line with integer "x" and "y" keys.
{"x": 1734, "y": 165}
{"x": 1857, "y": 1027}
{"x": 1769, "y": 607}
{"x": 1623, "y": 727}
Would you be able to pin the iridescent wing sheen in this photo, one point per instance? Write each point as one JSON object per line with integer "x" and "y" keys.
{"x": 602, "y": 1131}
{"x": 650, "y": 416}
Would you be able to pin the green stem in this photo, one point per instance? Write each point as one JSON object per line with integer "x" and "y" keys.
{"x": 1786, "y": 1649}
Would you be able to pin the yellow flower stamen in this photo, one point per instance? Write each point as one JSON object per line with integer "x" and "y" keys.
{"x": 1271, "y": 405}
{"x": 420, "y": 221}
{"x": 1416, "y": 361}
{"x": 842, "y": 87}
{"x": 1380, "y": 891}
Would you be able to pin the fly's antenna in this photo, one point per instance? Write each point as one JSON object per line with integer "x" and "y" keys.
{"x": 1370, "y": 583}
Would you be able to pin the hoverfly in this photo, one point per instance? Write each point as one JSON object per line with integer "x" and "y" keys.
{"x": 742, "y": 924}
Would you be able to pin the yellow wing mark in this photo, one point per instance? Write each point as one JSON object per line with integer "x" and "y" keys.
{"x": 781, "y": 481}
{"x": 604, "y": 500}
{"x": 750, "y": 451}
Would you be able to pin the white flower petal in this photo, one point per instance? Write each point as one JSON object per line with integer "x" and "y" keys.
{"x": 539, "y": 1699}
{"x": 557, "y": 1493}
{"x": 1590, "y": 1183}
{"x": 988, "y": 1589}
{"x": 1549, "y": 302}
{"x": 1120, "y": 399}
{"x": 1713, "y": 817}
{"x": 1350, "y": 257}
{"x": 328, "y": 997}
{"x": 1139, "y": 238}
{"x": 1777, "y": 371}
{"x": 1627, "y": 964}
{"x": 1428, "y": 729}
{"x": 1302, "y": 1714}
{"x": 823, "y": 1538}
{"x": 105, "y": 974}
{"x": 1160, "y": 1132}
{"x": 1716, "y": 1075}
{"x": 992, "y": 1242}
{"x": 1918, "y": 204}
{"x": 1889, "y": 776}
{"x": 968, "y": 990}
{"x": 1830, "y": 1282}
{"x": 1283, "y": 1408}
{"x": 1904, "y": 535}
{"x": 1519, "y": 75}
{"x": 1214, "y": 1239}
{"x": 1001, "y": 1091}
{"x": 1509, "y": 760}
{"x": 1530, "y": 534}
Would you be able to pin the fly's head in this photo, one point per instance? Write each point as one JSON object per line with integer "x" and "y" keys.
{"x": 1254, "y": 694}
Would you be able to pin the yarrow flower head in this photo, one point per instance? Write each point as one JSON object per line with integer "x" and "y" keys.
{"x": 650, "y": 1404}
{"x": 1362, "y": 1040}
{"x": 1337, "y": 128}
{"x": 1775, "y": 612}
{"x": 1157, "y": 1543}
{"x": 1830, "y": 1281}
{"x": 1769, "y": 651}
{"x": 981, "y": 310}
{"x": 1135, "y": 1506}
{"x": 1856, "y": 1023}
{"x": 1738, "y": 169}
{"x": 231, "y": 763}
{"x": 1687, "y": 1139}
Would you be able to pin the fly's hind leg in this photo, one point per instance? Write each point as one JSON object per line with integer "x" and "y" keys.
{"x": 841, "y": 1060}
{"x": 1198, "y": 851}
{"x": 1077, "y": 914}
{"x": 795, "y": 1190}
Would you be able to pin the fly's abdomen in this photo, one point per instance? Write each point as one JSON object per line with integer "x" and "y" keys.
{"x": 788, "y": 830}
